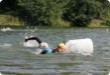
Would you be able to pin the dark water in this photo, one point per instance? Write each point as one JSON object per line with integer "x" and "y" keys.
{"x": 18, "y": 60}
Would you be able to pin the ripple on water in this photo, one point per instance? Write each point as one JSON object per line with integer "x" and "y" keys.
{"x": 17, "y": 60}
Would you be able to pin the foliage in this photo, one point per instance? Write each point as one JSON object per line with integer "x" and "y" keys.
{"x": 106, "y": 20}
{"x": 8, "y": 4}
{"x": 58, "y": 12}
{"x": 47, "y": 12}
{"x": 81, "y": 12}
{"x": 106, "y": 13}
{"x": 10, "y": 20}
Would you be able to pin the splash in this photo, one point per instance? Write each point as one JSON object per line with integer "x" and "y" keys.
{"x": 6, "y": 29}
{"x": 38, "y": 51}
{"x": 31, "y": 43}
{"x": 5, "y": 45}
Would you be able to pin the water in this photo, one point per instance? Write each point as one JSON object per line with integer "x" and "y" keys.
{"x": 15, "y": 59}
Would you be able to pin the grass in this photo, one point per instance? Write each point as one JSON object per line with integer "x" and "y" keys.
{"x": 60, "y": 23}
{"x": 10, "y": 20}
{"x": 96, "y": 23}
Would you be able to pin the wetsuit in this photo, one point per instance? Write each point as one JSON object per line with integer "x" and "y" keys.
{"x": 34, "y": 38}
{"x": 59, "y": 49}
{"x": 46, "y": 51}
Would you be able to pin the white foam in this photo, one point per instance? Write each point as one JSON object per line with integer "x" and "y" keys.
{"x": 5, "y": 45}
{"x": 38, "y": 51}
{"x": 31, "y": 43}
{"x": 6, "y": 29}
{"x": 82, "y": 46}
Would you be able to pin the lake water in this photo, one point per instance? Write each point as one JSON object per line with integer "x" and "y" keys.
{"x": 15, "y": 59}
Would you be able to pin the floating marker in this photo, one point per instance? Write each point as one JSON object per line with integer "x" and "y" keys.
{"x": 0, "y": 0}
{"x": 108, "y": 74}
{"x": 82, "y": 46}
{"x": 0, "y": 74}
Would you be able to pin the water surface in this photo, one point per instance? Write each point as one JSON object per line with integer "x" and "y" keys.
{"x": 15, "y": 59}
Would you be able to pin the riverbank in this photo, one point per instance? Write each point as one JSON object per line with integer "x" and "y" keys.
{"x": 7, "y": 20}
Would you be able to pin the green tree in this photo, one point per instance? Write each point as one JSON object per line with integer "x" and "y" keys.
{"x": 81, "y": 12}
{"x": 8, "y": 5}
{"x": 106, "y": 13}
{"x": 47, "y": 12}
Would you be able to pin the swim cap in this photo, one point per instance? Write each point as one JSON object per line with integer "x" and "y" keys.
{"x": 61, "y": 44}
{"x": 26, "y": 37}
{"x": 44, "y": 45}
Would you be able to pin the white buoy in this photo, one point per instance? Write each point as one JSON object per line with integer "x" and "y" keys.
{"x": 1, "y": 74}
{"x": 0, "y": 0}
{"x": 108, "y": 74}
{"x": 82, "y": 46}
